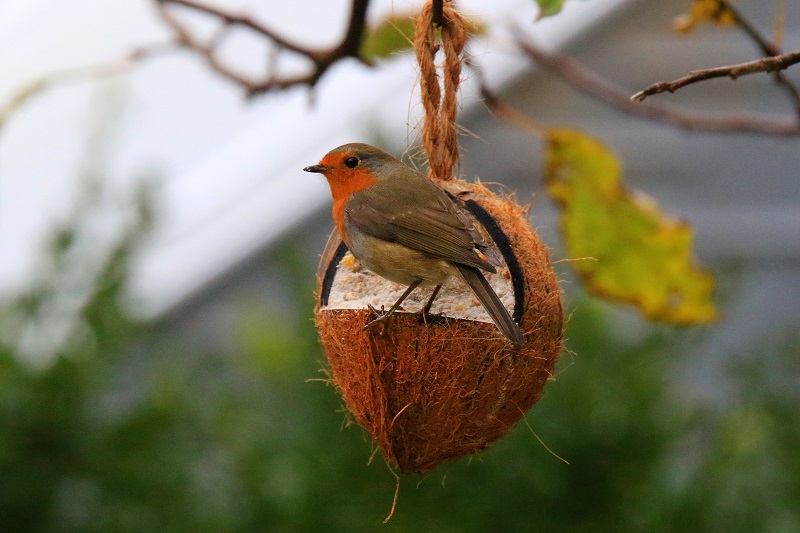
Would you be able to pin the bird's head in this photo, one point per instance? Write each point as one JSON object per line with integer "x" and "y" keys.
{"x": 353, "y": 167}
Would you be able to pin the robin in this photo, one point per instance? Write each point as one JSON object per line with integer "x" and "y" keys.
{"x": 403, "y": 227}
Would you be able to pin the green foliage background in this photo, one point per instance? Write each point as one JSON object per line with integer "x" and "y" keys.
{"x": 133, "y": 427}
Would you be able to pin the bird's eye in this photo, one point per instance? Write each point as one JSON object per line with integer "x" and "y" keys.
{"x": 351, "y": 162}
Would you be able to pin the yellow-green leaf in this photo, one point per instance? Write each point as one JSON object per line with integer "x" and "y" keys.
{"x": 632, "y": 251}
{"x": 393, "y": 35}
{"x": 713, "y": 11}
{"x": 548, "y": 8}
{"x": 396, "y": 34}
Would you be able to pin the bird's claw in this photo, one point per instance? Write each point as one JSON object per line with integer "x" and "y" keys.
{"x": 374, "y": 313}
{"x": 379, "y": 316}
{"x": 375, "y": 316}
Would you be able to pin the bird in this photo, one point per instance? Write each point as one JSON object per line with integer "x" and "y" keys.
{"x": 403, "y": 227}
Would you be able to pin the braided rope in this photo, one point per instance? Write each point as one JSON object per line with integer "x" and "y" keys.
{"x": 439, "y": 136}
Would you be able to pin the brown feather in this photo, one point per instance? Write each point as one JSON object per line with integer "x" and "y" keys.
{"x": 435, "y": 224}
{"x": 491, "y": 302}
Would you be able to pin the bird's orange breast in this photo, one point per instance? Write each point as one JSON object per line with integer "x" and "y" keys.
{"x": 343, "y": 186}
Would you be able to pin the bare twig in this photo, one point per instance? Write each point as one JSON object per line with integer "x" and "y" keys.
{"x": 767, "y": 64}
{"x": 590, "y": 83}
{"x": 768, "y": 49}
{"x": 501, "y": 108}
{"x": 230, "y": 19}
{"x": 512, "y": 115}
{"x": 322, "y": 59}
{"x": 774, "y": 62}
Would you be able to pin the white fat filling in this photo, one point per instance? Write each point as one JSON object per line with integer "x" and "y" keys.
{"x": 355, "y": 287}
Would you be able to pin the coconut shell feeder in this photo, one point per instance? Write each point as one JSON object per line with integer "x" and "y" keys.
{"x": 433, "y": 389}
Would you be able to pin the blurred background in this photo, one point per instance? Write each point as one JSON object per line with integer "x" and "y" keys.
{"x": 159, "y": 368}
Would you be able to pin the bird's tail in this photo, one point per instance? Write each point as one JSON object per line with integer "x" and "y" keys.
{"x": 491, "y": 302}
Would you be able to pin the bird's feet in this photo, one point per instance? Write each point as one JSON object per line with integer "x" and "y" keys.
{"x": 381, "y": 315}
{"x": 374, "y": 314}
{"x": 377, "y": 316}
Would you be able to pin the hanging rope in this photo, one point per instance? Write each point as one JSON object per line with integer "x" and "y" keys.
{"x": 439, "y": 128}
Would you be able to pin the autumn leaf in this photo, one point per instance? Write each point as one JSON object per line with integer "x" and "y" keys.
{"x": 633, "y": 252}
{"x": 396, "y": 34}
{"x": 714, "y": 11}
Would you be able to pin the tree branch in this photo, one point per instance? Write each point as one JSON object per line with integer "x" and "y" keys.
{"x": 591, "y": 84}
{"x": 767, "y": 64}
{"x": 322, "y": 59}
{"x": 768, "y": 49}
{"x": 569, "y": 70}
{"x": 230, "y": 19}
{"x": 351, "y": 44}
{"x": 774, "y": 62}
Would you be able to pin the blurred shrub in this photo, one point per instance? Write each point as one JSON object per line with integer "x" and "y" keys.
{"x": 129, "y": 427}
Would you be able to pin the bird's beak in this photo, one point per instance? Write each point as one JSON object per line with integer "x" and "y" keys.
{"x": 319, "y": 169}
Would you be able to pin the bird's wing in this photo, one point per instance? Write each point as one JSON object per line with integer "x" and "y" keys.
{"x": 435, "y": 224}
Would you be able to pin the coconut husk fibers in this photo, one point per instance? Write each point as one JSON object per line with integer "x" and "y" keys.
{"x": 435, "y": 391}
